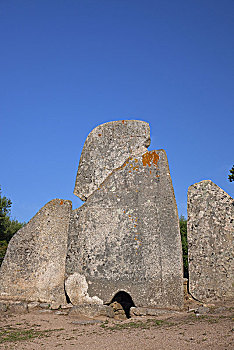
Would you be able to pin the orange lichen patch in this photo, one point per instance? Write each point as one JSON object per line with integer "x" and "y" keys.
{"x": 61, "y": 202}
{"x": 150, "y": 171}
{"x": 135, "y": 160}
{"x": 123, "y": 121}
{"x": 150, "y": 158}
{"x": 129, "y": 172}
{"x": 99, "y": 134}
{"x": 135, "y": 225}
{"x": 131, "y": 165}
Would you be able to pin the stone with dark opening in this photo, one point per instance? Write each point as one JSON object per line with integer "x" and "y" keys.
{"x": 124, "y": 300}
{"x": 126, "y": 236}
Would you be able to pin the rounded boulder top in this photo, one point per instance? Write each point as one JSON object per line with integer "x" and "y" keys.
{"x": 106, "y": 148}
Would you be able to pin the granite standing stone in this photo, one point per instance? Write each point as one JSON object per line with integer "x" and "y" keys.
{"x": 210, "y": 241}
{"x": 126, "y": 237}
{"x": 34, "y": 265}
{"x": 105, "y": 149}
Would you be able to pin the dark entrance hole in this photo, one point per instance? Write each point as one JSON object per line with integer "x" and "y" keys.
{"x": 66, "y": 295}
{"x": 125, "y": 300}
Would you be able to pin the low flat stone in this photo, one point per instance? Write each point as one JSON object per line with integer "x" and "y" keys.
{"x": 91, "y": 310}
{"x": 105, "y": 149}
{"x": 44, "y": 305}
{"x": 66, "y": 306}
{"x": 3, "y": 307}
{"x": 33, "y": 305}
{"x": 138, "y": 311}
{"x": 156, "y": 312}
{"x": 18, "y": 308}
{"x": 34, "y": 264}
{"x": 62, "y": 313}
{"x": 44, "y": 311}
{"x": 55, "y": 306}
{"x": 202, "y": 310}
{"x": 87, "y": 322}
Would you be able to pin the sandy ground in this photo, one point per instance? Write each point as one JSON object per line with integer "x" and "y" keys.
{"x": 173, "y": 331}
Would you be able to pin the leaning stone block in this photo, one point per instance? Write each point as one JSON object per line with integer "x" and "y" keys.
{"x": 126, "y": 237}
{"x": 34, "y": 265}
{"x": 106, "y": 148}
{"x": 210, "y": 241}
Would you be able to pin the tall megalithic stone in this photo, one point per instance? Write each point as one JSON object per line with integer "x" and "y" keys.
{"x": 34, "y": 265}
{"x": 105, "y": 149}
{"x": 126, "y": 237}
{"x": 210, "y": 241}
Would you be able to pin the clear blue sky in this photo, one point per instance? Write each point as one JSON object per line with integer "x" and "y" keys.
{"x": 69, "y": 65}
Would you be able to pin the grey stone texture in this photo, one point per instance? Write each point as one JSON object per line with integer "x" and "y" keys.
{"x": 210, "y": 241}
{"x": 34, "y": 265}
{"x": 92, "y": 310}
{"x": 126, "y": 235}
{"x": 105, "y": 149}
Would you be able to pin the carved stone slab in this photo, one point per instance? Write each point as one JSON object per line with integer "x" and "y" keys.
{"x": 210, "y": 241}
{"x": 126, "y": 237}
{"x": 34, "y": 265}
{"x": 106, "y": 148}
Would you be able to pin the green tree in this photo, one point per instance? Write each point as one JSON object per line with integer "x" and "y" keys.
{"x": 8, "y": 226}
{"x": 183, "y": 233}
{"x": 231, "y": 176}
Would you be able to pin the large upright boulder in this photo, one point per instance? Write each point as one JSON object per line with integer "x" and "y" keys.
{"x": 34, "y": 265}
{"x": 126, "y": 237}
{"x": 105, "y": 149}
{"x": 210, "y": 241}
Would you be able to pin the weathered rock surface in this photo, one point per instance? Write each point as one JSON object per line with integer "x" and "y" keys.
{"x": 105, "y": 149}
{"x": 119, "y": 313}
{"x": 34, "y": 265}
{"x": 3, "y": 307}
{"x": 210, "y": 241}
{"x": 126, "y": 236}
{"x": 92, "y": 310}
{"x": 18, "y": 308}
{"x": 77, "y": 288}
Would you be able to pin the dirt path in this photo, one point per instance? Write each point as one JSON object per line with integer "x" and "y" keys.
{"x": 175, "y": 331}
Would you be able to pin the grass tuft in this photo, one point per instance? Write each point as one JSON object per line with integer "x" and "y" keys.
{"x": 11, "y": 334}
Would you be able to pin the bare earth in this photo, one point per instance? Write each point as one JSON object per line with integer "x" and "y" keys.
{"x": 41, "y": 329}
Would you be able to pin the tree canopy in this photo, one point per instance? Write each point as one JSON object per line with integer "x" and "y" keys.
{"x": 183, "y": 233}
{"x": 231, "y": 175}
{"x": 8, "y": 226}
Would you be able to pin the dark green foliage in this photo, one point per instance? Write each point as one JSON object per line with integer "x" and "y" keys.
{"x": 231, "y": 176}
{"x": 183, "y": 233}
{"x": 3, "y": 248}
{"x": 8, "y": 227}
